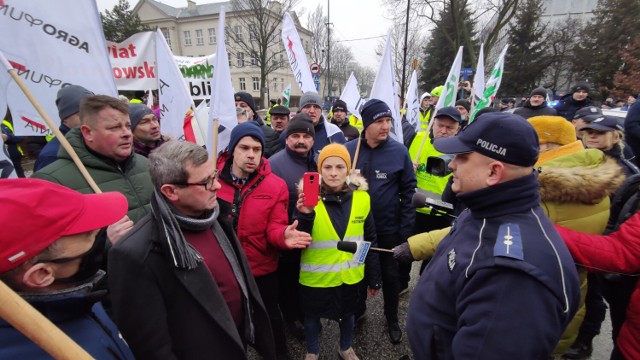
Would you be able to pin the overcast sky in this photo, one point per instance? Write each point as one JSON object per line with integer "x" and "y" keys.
{"x": 352, "y": 19}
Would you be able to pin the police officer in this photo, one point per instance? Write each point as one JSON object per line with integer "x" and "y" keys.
{"x": 502, "y": 284}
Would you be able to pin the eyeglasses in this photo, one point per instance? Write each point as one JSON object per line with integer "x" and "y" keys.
{"x": 208, "y": 183}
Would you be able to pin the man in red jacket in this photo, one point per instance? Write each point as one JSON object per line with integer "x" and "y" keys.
{"x": 256, "y": 201}
{"x": 618, "y": 252}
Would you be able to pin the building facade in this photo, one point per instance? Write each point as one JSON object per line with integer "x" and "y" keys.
{"x": 192, "y": 31}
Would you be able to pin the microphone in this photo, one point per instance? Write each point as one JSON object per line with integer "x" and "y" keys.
{"x": 352, "y": 247}
{"x": 426, "y": 199}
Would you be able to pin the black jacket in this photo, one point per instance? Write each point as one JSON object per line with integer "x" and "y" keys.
{"x": 527, "y": 111}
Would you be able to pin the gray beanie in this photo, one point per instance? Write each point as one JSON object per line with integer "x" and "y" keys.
{"x": 68, "y": 100}
{"x": 310, "y": 98}
{"x": 137, "y": 112}
{"x": 539, "y": 91}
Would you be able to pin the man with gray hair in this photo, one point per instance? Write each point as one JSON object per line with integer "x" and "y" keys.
{"x": 181, "y": 286}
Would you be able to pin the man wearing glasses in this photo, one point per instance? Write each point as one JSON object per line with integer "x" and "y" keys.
{"x": 180, "y": 284}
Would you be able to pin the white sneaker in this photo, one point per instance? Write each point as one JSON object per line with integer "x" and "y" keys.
{"x": 311, "y": 356}
{"x": 348, "y": 354}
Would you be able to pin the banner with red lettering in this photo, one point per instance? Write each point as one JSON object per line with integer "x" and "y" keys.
{"x": 50, "y": 44}
{"x": 133, "y": 62}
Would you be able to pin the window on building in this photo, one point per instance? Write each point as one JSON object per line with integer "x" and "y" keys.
{"x": 167, "y": 35}
{"x": 282, "y": 84}
{"x": 256, "y": 83}
{"x": 187, "y": 38}
{"x": 253, "y": 32}
{"x": 229, "y": 56}
{"x": 274, "y": 82}
{"x": 227, "y": 34}
{"x": 238, "y": 32}
{"x": 212, "y": 36}
{"x": 240, "y": 59}
{"x": 281, "y": 60}
{"x": 243, "y": 85}
{"x": 254, "y": 58}
{"x": 199, "y": 38}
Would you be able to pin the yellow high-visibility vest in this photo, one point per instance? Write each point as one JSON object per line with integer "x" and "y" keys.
{"x": 322, "y": 265}
{"x": 354, "y": 121}
{"x": 10, "y": 126}
{"x": 426, "y": 181}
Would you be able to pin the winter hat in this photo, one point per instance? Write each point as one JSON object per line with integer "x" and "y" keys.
{"x": 300, "y": 123}
{"x": 335, "y": 149}
{"x": 553, "y": 129}
{"x": 279, "y": 110}
{"x": 464, "y": 103}
{"x": 249, "y": 128}
{"x": 499, "y": 135}
{"x": 373, "y": 110}
{"x": 539, "y": 91}
{"x": 247, "y": 98}
{"x": 425, "y": 95}
{"x": 437, "y": 91}
{"x": 582, "y": 85}
{"x": 68, "y": 100}
{"x": 36, "y": 213}
{"x": 310, "y": 98}
{"x": 340, "y": 105}
{"x": 137, "y": 112}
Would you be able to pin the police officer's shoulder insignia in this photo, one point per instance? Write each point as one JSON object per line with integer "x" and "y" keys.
{"x": 451, "y": 259}
{"x": 509, "y": 242}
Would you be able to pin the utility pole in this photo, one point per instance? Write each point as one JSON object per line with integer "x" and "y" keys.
{"x": 404, "y": 61}
{"x": 328, "y": 51}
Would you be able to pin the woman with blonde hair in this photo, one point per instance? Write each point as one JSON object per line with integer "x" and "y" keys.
{"x": 606, "y": 133}
{"x": 329, "y": 278}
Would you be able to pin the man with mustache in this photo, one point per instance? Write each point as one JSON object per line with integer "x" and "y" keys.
{"x": 104, "y": 144}
{"x": 255, "y": 200}
{"x": 290, "y": 164}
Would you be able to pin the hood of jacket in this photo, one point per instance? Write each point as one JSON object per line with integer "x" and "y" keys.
{"x": 586, "y": 176}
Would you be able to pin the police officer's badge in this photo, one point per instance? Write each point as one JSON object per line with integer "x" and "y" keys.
{"x": 509, "y": 242}
{"x": 451, "y": 260}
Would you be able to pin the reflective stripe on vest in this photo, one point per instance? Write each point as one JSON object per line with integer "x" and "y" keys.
{"x": 322, "y": 265}
{"x": 426, "y": 181}
{"x": 10, "y": 126}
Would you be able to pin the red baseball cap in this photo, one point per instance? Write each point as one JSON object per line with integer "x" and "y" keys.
{"x": 35, "y": 213}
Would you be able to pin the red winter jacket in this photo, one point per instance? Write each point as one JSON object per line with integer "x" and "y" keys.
{"x": 616, "y": 252}
{"x": 263, "y": 202}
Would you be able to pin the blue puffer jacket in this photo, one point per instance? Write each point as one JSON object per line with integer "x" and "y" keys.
{"x": 79, "y": 314}
{"x": 501, "y": 285}
{"x": 567, "y": 106}
{"x": 392, "y": 183}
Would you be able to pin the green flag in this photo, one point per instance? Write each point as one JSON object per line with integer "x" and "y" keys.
{"x": 287, "y": 95}
{"x": 491, "y": 88}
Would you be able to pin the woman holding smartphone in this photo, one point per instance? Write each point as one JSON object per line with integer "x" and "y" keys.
{"x": 330, "y": 277}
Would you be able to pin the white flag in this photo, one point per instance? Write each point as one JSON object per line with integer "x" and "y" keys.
{"x": 493, "y": 84}
{"x": 49, "y": 51}
{"x": 223, "y": 105}
{"x": 351, "y": 96}
{"x": 448, "y": 96}
{"x": 287, "y": 95}
{"x": 296, "y": 55}
{"x": 385, "y": 88}
{"x": 413, "y": 102}
{"x": 175, "y": 99}
{"x": 478, "y": 78}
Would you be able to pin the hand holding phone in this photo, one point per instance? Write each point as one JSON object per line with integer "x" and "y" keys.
{"x": 311, "y": 188}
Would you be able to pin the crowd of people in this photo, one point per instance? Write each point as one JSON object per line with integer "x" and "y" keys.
{"x": 522, "y": 217}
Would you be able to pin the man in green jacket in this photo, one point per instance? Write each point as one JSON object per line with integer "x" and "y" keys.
{"x": 104, "y": 144}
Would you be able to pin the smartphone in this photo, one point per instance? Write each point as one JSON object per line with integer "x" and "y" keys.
{"x": 311, "y": 188}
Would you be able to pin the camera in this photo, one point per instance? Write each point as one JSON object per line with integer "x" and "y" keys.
{"x": 439, "y": 165}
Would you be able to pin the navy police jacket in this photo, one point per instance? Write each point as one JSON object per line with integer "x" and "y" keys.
{"x": 501, "y": 284}
{"x": 392, "y": 183}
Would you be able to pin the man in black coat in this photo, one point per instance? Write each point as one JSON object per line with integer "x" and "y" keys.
{"x": 181, "y": 286}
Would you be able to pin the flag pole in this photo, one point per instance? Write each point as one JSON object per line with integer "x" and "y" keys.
{"x": 355, "y": 156}
{"x": 214, "y": 151}
{"x": 63, "y": 141}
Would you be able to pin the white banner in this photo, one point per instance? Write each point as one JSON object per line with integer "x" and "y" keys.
{"x": 351, "y": 96}
{"x": 175, "y": 100}
{"x": 295, "y": 54}
{"x": 197, "y": 73}
{"x": 51, "y": 44}
{"x": 385, "y": 88}
{"x": 223, "y": 105}
{"x": 493, "y": 84}
{"x": 413, "y": 102}
{"x": 133, "y": 62}
{"x": 478, "y": 78}
{"x": 448, "y": 96}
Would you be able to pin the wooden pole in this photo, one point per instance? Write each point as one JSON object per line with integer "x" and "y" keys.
{"x": 214, "y": 151}
{"x": 355, "y": 156}
{"x": 30, "y": 322}
{"x": 63, "y": 141}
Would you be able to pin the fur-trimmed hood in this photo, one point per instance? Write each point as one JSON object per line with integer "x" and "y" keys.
{"x": 583, "y": 177}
